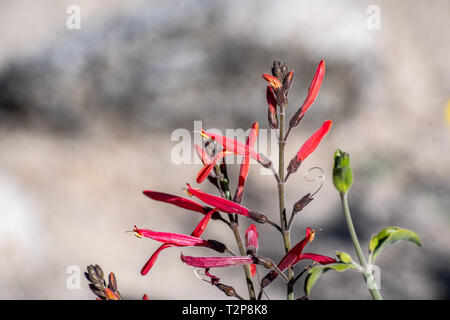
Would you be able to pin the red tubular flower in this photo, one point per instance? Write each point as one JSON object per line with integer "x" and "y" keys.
{"x": 272, "y": 110}
{"x": 294, "y": 256}
{"x": 180, "y": 240}
{"x": 201, "y": 226}
{"x": 273, "y": 81}
{"x": 149, "y": 264}
{"x": 308, "y": 147}
{"x": 206, "y": 170}
{"x": 312, "y": 94}
{"x": 215, "y": 262}
{"x": 245, "y": 166}
{"x": 219, "y": 203}
{"x": 317, "y": 257}
{"x": 251, "y": 239}
{"x": 177, "y": 201}
{"x": 198, "y": 231}
{"x": 237, "y": 147}
{"x": 251, "y": 243}
{"x": 202, "y": 154}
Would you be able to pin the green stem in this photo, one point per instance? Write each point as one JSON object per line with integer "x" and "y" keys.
{"x": 248, "y": 273}
{"x": 282, "y": 199}
{"x": 362, "y": 260}
{"x": 234, "y": 226}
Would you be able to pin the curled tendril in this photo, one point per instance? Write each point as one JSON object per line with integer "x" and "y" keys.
{"x": 201, "y": 275}
{"x": 204, "y": 275}
{"x": 310, "y": 178}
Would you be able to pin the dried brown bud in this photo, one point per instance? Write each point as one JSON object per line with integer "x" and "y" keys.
{"x": 257, "y": 216}
{"x": 272, "y": 108}
{"x": 303, "y": 202}
{"x": 229, "y": 291}
{"x": 218, "y": 246}
{"x": 293, "y": 165}
{"x": 287, "y": 83}
{"x": 277, "y": 70}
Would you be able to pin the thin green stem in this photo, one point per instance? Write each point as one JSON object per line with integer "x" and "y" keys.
{"x": 362, "y": 260}
{"x": 235, "y": 228}
{"x": 282, "y": 199}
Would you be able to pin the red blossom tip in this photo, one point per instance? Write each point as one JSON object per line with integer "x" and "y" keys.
{"x": 313, "y": 91}
{"x": 309, "y": 146}
{"x": 201, "y": 226}
{"x": 219, "y": 203}
{"x": 317, "y": 258}
{"x": 237, "y": 147}
{"x": 206, "y": 170}
{"x": 273, "y": 81}
{"x": 251, "y": 239}
{"x": 176, "y": 239}
{"x": 149, "y": 264}
{"x": 175, "y": 200}
{"x": 245, "y": 166}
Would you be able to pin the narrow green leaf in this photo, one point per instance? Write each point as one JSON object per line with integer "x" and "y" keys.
{"x": 315, "y": 273}
{"x": 343, "y": 257}
{"x": 389, "y": 236}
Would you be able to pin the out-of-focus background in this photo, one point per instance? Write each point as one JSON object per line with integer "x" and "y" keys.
{"x": 86, "y": 117}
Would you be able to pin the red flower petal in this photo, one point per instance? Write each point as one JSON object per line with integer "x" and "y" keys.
{"x": 201, "y": 226}
{"x": 293, "y": 255}
{"x": 206, "y": 170}
{"x": 145, "y": 297}
{"x": 149, "y": 264}
{"x": 251, "y": 239}
{"x": 317, "y": 257}
{"x": 237, "y": 147}
{"x": 177, "y": 239}
{"x": 311, "y": 144}
{"x": 220, "y": 203}
{"x": 314, "y": 87}
{"x": 312, "y": 94}
{"x": 274, "y": 82}
{"x": 215, "y": 262}
{"x": 175, "y": 200}
{"x": 253, "y": 269}
{"x": 245, "y": 166}
{"x": 202, "y": 154}
{"x": 198, "y": 231}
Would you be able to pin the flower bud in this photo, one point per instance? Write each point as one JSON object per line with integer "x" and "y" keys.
{"x": 342, "y": 173}
{"x": 303, "y": 202}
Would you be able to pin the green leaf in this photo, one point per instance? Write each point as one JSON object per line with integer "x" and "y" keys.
{"x": 315, "y": 273}
{"x": 389, "y": 236}
{"x": 343, "y": 257}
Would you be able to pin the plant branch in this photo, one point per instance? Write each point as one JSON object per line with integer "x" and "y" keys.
{"x": 281, "y": 196}
{"x": 362, "y": 260}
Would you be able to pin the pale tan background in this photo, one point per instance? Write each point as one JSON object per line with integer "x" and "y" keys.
{"x": 86, "y": 117}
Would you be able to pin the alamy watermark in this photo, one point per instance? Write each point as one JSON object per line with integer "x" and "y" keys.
{"x": 73, "y": 21}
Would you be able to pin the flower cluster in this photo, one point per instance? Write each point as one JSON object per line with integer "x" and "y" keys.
{"x": 212, "y": 207}
{"x": 227, "y": 208}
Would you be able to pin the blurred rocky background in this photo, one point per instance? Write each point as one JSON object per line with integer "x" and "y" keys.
{"x": 86, "y": 118}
